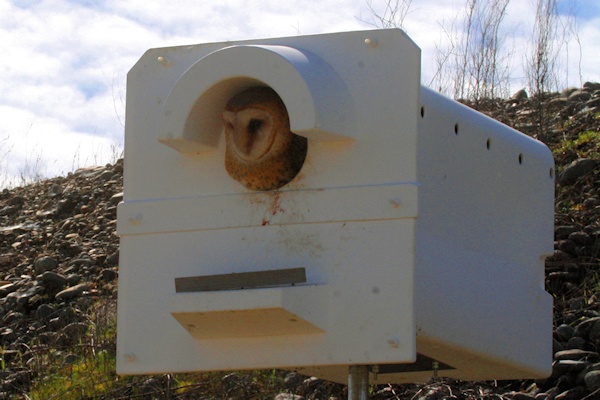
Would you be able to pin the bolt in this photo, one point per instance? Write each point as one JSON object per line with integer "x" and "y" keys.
{"x": 371, "y": 42}
{"x": 163, "y": 60}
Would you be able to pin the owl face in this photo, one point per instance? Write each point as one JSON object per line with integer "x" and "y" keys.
{"x": 261, "y": 151}
{"x": 251, "y": 132}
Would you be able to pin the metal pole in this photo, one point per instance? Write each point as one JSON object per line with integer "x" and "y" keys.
{"x": 358, "y": 382}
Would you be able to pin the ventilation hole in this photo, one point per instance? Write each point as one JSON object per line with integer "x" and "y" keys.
{"x": 520, "y": 158}
{"x": 422, "y": 112}
{"x": 488, "y": 144}
{"x": 456, "y": 129}
{"x": 551, "y": 173}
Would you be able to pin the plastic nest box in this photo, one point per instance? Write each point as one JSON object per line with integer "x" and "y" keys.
{"x": 304, "y": 203}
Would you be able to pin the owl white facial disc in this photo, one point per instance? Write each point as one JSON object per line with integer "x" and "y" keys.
{"x": 262, "y": 153}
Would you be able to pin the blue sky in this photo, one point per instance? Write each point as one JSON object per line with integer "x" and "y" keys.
{"x": 583, "y": 9}
{"x": 64, "y": 63}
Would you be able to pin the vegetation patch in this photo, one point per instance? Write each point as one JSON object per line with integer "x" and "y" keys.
{"x": 585, "y": 145}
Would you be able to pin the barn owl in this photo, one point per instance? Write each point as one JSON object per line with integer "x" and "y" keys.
{"x": 261, "y": 151}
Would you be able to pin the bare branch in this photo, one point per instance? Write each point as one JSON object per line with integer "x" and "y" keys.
{"x": 393, "y": 15}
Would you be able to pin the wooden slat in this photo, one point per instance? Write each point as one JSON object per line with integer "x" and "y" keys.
{"x": 240, "y": 280}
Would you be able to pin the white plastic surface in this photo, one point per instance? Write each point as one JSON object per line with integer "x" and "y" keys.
{"x": 341, "y": 218}
{"x": 318, "y": 104}
{"x": 421, "y": 224}
{"x": 488, "y": 200}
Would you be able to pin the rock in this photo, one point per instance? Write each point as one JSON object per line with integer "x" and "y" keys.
{"x": 118, "y": 167}
{"x": 520, "y": 95}
{"x": 557, "y": 103}
{"x": 116, "y": 199}
{"x": 519, "y": 396}
{"x": 557, "y": 346}
{"x": 72, "y": 292}
{"x": 53, "y": 281}
{"x": 577, "y": 355}
{"x": 19, "y": 299}
{"x": 577, "y": 393}
{"x": 55, "y": 190}
{"x": 581, "y": 238}
{"x": 576, "y": 343}
{"x": 44, "y": 264}
{"x": 288, "y": 396}
{"x": 567, "y": 246}
{"x": 568, "y": 91}
{"x": 89, "y": 172}
{"x": 65, "y": 206}
{"x": 106, "y": 175}
{"x": 576, "y": 170}
{"x": 7, "y": 289}
{"x": 9, "y": 211}
{"x": 292, "y": 380}
{"x": 593, "y": 102}
{"x": 562, "y": 367}
{"x": 579, "y": 95}
{"x": 81, "y": 263}
{"x": 73, "y": 279}
{"x": 580, "y": 380}
{"x": 113, "y": 259}
{"x": 7, "y": 335}
{"x": 583, "y": 329}
{"x": 44, "y": 311}
{"x": 6, "y": 260}
{"x": 577, "y": 304}
{"x": 594, "y": 333}
{"x": 592, "y": 202}
{"x": 563, "y": 231}
{"x": 108, "y": 275}
{"x": 592, "y": 86}
{"x": 565, "y": 332}
{"x": 16, "y": 201}
{"x": 592, "y": 380}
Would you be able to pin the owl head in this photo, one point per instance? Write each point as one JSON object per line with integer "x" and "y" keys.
{"x": 261, "y": 151}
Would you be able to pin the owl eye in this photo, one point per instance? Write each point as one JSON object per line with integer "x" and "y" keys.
{"x": 252, "y": 132}
{"x": 254, "y": 125}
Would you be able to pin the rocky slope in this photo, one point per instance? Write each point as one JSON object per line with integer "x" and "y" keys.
{"x": 58, "y": 252}
{"x": 59, "y": 256}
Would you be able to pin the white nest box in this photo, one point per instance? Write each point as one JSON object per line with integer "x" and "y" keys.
{"x": 407, "y": 230}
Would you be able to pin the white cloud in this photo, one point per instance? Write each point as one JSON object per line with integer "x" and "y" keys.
{"x": 64, "y": 63}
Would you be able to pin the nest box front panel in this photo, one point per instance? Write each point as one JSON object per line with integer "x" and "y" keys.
{"x": 269, "y": 204}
